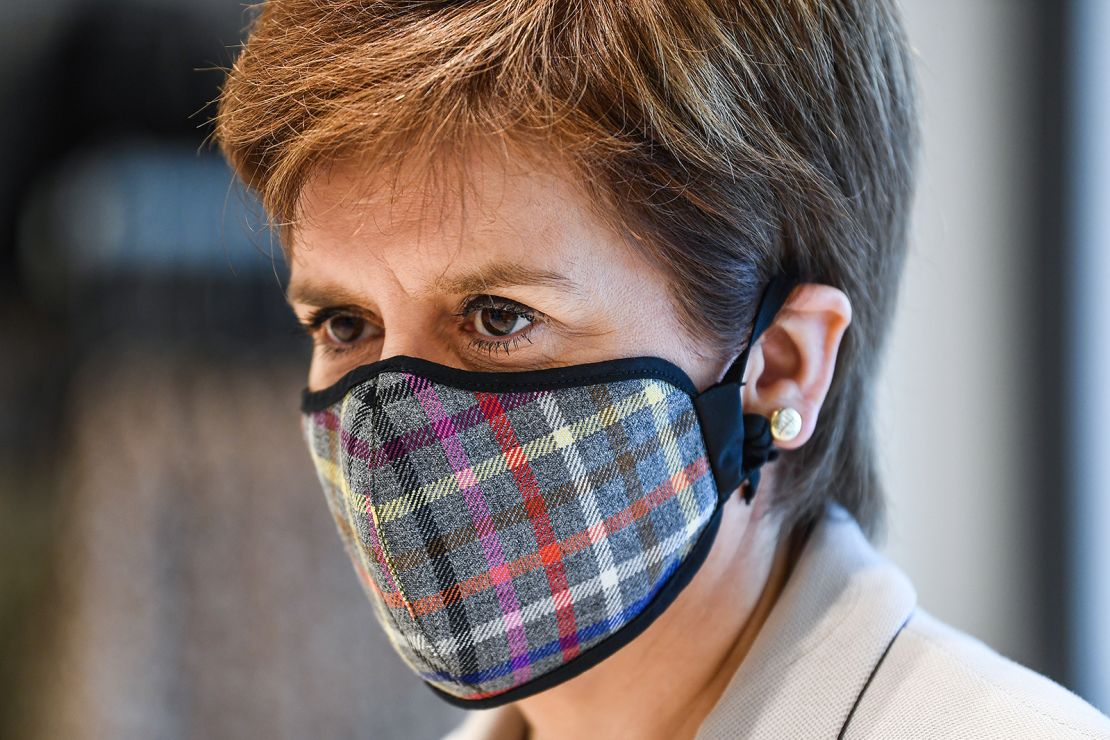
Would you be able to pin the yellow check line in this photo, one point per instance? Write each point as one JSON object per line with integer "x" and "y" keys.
{"x": 652, "y": 396}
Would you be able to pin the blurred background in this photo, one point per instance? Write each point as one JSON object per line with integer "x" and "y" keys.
{"x": 168, "y": 568}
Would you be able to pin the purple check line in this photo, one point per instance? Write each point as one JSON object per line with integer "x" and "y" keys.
{"x": 327, "y": 419}
{"x": 447, "y": 436}
{"x": 330, "y": 421}
{"x": 426, "y": 435}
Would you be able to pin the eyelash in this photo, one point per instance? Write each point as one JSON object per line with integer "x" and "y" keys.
{"x": 491, "y": 346}
{"x": 316, "y": 320}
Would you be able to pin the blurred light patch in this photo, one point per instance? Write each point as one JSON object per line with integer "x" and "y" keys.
{"x": 142, "y": 207}
{"x": 1090, "y": 386}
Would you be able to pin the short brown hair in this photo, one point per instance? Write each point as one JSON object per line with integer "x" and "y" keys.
{"x": 728, "y": 140}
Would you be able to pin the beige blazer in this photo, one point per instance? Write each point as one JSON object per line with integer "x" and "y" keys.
{"x": 846, "y": 652}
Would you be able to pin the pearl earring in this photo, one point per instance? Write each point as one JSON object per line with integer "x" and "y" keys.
{"x": 785, "y": 424}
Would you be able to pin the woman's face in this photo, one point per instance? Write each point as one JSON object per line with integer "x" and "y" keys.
{"x": 523, "y": 278}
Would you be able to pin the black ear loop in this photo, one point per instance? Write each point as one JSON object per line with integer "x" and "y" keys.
{"x": 738, "y": 444}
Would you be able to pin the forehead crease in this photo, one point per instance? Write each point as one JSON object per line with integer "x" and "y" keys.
{"x": 501, "y": 274}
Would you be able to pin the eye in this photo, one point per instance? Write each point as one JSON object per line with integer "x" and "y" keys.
{"x": 337, "y": 329}
{"x": 500, "y": 322}
{"x": 345, "y": 329}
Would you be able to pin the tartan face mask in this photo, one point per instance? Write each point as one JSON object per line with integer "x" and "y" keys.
{"x": 513, "y": 529}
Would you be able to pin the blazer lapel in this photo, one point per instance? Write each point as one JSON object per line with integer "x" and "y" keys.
{"x": 834, "y": 621}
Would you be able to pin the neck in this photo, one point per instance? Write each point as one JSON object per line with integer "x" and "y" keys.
{"x": 666, "y": 681}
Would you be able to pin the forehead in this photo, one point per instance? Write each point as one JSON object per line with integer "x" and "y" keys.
{"x": 492, "y": 205}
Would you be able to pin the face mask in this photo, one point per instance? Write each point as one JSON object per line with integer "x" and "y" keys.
{"x": 512, "y": 529}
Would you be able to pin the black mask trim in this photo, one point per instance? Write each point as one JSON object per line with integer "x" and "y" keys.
{"x": 605, "y": 371}
{"x": 737, "y": 443}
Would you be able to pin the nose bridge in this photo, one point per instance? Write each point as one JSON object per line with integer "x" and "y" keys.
{"x": 415, "y": 327}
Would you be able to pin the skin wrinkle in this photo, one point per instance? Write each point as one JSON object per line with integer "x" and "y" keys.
{"x": 606, "y": 302}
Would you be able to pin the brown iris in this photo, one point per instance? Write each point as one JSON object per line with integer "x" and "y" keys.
{"x": 344, "y": 329}
{"x": 497, "y": 322}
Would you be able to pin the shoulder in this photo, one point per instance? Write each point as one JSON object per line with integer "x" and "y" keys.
{"x": 937, "y": 682}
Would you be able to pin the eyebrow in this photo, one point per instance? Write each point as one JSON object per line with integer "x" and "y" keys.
{"x": 502, "y": 275}
{"x": 320, "y": 294}
{"x": 489, "y": 277}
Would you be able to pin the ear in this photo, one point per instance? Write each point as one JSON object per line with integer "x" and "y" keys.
{"x": 792, "y": 362}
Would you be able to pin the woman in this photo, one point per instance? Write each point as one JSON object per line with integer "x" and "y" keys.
{"x": 595, "y": 428}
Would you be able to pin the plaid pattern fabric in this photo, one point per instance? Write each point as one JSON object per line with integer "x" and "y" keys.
{"x": 501, "y": 535}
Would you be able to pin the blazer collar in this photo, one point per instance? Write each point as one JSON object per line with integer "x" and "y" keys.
{"x": 838, "y": 613}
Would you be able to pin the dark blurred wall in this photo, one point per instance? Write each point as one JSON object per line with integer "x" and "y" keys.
{"x": 168, "y": 568}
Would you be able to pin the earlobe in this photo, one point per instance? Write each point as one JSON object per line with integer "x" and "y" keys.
{"x": 792, "y": 364}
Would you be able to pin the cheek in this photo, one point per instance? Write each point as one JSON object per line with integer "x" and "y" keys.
{"x": 325, "y": 367}
{"x": 320, "y": 376}
{"x": 648, "y": 323}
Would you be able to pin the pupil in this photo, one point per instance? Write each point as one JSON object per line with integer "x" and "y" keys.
{"x": 500, "y": 322}
{"x": 345, "y": 329}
